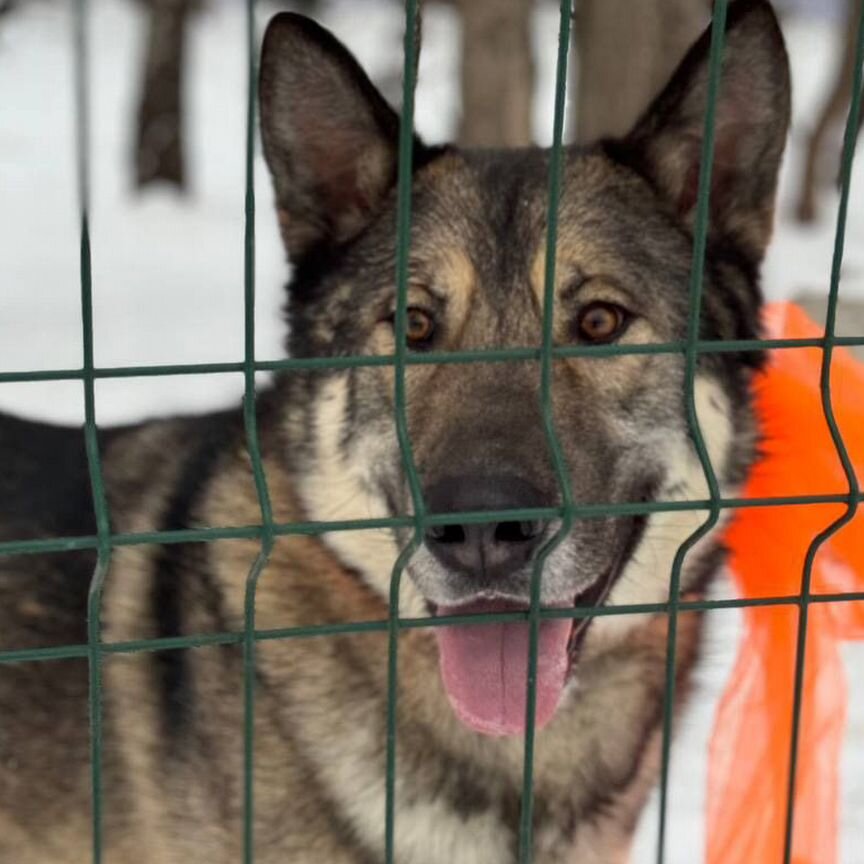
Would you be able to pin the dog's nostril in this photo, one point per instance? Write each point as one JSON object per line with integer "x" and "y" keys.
{"x": 517, "y": 532}
{"x": 649, "y": 491}
{"x": 447, "y": 533}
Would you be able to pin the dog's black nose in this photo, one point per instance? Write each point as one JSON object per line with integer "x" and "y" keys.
{"x": 490, "y": 550}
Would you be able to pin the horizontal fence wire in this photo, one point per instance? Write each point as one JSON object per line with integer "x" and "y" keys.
{"x": 311, "y": 631}
{"x": 267, "y": 532}
{"x": 853, "y": 498}
{"x": 56, "y": 545}
{"x": 430, "y": 358}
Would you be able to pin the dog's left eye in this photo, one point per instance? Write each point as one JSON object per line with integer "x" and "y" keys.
{"x": 419, "y": 327}
{"x": 600, "y": 322}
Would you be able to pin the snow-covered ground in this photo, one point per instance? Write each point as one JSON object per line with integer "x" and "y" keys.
{"x": 168, "y": 270}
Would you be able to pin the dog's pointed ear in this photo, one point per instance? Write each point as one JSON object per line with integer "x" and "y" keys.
{"x": 330, "y": 139}
{"x": 752, "y": 120}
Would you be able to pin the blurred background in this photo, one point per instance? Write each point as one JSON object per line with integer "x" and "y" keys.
{"x": 167, "y": 90}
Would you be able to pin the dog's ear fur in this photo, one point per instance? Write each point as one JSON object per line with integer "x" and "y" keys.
{"x": 329, "y": 137}
{"x": 752, "y": 119}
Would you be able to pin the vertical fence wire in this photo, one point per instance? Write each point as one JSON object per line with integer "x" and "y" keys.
{"x": 250, "y": 421}
{"x": 836, "y": 436}
{"x": 403, "y": 247}
{"x": 700, "y": 236}
{"x": 526, "y": 819}
{"x": 91, "y": 441}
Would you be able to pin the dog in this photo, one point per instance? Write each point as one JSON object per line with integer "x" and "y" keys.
{"x": 173, "y": 719}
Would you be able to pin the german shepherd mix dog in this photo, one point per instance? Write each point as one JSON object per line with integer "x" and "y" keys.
{"x": 173, "y": 772}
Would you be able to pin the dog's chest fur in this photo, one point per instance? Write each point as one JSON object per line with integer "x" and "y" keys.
{"x": 321, "y": 710}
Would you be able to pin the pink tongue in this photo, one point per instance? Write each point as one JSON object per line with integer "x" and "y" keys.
{"x": 485, "y": 669}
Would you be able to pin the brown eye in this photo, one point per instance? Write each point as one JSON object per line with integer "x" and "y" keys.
{"x": 601, "y": 322}
{"x": 419, "y": 327}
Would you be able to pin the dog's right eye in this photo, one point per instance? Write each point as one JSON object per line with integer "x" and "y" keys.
{"x": 600, "y": 322}
{"x": 419, "y": 328}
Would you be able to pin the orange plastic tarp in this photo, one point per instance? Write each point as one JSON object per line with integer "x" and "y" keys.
{"x": 749, "y": 755}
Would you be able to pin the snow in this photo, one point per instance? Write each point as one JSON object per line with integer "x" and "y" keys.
{"x": 168, "y": 268}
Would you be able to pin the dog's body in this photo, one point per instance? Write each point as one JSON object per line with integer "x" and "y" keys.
{"x": 173, "y": 754}
{"x": 173, "y": 782}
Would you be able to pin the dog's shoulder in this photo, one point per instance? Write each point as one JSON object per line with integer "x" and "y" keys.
{"x": 45, "y": 484}
{"x": 45, "y": 480}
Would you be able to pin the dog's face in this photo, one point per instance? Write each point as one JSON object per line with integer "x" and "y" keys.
{"x": 477, "y": 276}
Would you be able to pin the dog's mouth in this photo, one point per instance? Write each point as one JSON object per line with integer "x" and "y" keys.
{"x": 484, "y": 666}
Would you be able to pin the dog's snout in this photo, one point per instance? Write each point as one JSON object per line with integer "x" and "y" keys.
{"x": 492, "y": 549}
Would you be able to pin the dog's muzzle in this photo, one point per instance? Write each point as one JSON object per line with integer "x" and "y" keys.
{"x": 484, "y": 665}
{"x": 485, "y": 554}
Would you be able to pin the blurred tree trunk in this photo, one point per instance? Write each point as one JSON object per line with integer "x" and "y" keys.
{"x": 497, "y": 73}
{"x": 625, "y": 52}
{"x": 159, "y": 139}
{"x": 831, "y": 115}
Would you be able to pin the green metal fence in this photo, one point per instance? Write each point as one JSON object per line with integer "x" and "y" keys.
{"x": 104, "y": 541}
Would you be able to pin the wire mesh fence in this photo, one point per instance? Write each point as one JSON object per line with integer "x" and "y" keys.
{"x": 104, "y": 541}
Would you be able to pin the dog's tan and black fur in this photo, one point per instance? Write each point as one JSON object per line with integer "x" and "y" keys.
{"x": 174, "y": 719}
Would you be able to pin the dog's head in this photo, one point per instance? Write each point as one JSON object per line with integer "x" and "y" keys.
{"x": 477, "y": 270}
